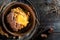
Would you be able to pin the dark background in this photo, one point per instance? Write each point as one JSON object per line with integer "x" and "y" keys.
{"x": 48, "y": 19}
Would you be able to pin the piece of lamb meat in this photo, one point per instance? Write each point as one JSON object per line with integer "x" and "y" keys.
{"x": 11, "y": 21}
